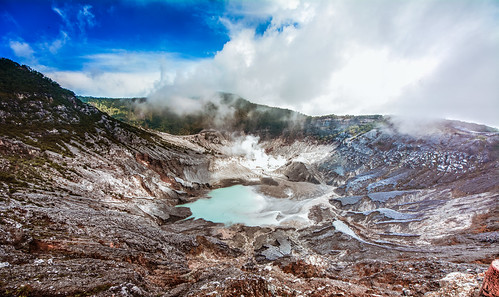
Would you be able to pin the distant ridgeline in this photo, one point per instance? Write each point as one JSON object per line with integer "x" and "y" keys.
{"x": 234, "y": 113}
{"x": 231, "y": 113}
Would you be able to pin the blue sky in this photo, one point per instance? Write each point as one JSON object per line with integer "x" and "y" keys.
{"x": 96, "y": 27}
{"x": 418, "y": 58}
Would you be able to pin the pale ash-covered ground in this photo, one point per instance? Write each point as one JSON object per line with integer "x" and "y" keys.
{"x": 387, "y": 214}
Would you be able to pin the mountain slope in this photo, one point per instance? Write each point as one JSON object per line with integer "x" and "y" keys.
{"x": 42, "y": 120}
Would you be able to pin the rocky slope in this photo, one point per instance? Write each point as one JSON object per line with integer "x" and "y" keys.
{"x": 87, "y": 205}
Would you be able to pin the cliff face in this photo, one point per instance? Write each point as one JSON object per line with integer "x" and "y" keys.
{"x": 383, "y": 212}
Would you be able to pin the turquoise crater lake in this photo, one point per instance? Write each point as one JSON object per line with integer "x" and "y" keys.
{"x": 244, "y": 205}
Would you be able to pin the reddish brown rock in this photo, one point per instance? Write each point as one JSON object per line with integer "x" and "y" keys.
{"x": 302, "y": 269}
{"x": 490, "y": 287}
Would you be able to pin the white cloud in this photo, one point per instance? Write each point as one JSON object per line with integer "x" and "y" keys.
{"x": 22, "y": 50}
{"x": 58, "y": 43}
{"x": 60, "y": 13}
{"x": 372, "y": 79}
{"x": 120, "y": 73}
{"x": 106, "y": 84}
{"x": 85, "y": 18}
{"x": 65, "y": 16}
{"x": 350, "y": 57}
{"x": 79, "y": 16}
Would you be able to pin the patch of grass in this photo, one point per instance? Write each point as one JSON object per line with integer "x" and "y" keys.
{"x": 7, "y": 177}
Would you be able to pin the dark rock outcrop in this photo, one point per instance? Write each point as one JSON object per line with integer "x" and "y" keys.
{"x": 301, "y": 172}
